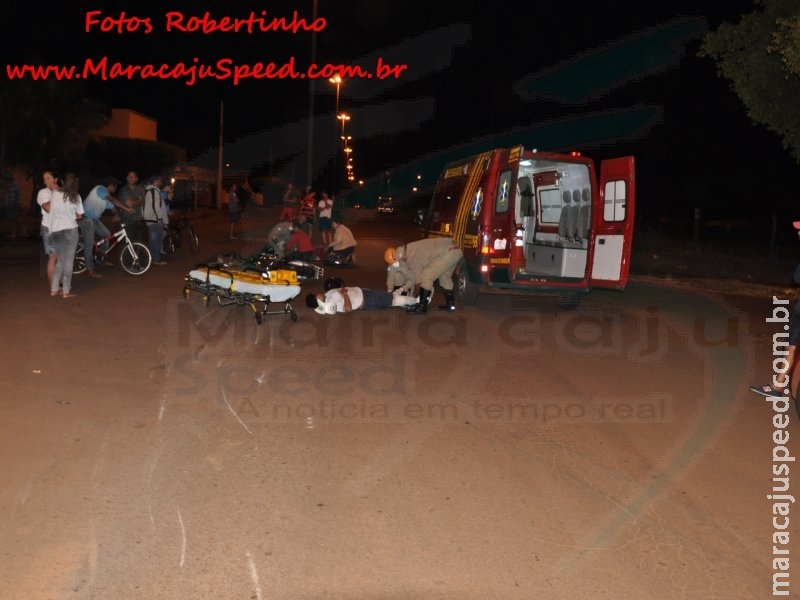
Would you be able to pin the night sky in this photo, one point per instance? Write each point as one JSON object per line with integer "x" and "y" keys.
{"x": 472, "y": 73}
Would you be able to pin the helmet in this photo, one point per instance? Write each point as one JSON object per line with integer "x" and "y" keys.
{"x": 390, "y": 256}
{"x": 332, "y": 283}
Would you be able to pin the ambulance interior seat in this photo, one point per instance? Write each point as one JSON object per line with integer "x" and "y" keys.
{"x": 574, "y": 213}
{"x": 566, "y": 211}
{"x": 584, "y": 217}
{"x": 525, "y": 188}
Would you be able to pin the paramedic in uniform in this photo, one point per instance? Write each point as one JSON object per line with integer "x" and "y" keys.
{"x": 426, "y": 261}
{"x": 398, "y": 277}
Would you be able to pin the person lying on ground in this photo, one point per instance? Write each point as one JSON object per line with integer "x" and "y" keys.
{"x": 350, "y": 298}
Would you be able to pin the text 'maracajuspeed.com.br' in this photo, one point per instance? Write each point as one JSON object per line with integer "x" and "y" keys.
{"x": 224, "y": 69}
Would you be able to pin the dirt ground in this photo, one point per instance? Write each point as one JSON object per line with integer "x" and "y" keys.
{"x": 152, "y": 447}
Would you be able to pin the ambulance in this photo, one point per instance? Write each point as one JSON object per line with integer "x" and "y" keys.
{"x": 530, "y": 221}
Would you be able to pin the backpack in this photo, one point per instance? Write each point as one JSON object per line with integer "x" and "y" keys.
{"x": 164, "y": 211}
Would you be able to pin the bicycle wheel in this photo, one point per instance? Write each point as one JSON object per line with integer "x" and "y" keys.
{"x": 136, "y": 259}
{"x": 168, "y": 245}
{"x": 79, "y": 263}
{"x": 194, "y": 241}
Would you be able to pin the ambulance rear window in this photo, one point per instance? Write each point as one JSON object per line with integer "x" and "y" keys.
{"x": 503, "y": 192}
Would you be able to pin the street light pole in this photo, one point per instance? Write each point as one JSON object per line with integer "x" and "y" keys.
{"x": 219, "y": 156}
{"x": 344, "y": 118}
{"x": 337, "y": 81}
{"x": 310, "y": 145}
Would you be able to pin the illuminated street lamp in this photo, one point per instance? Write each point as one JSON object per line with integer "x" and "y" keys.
{"x": 337, "y": 81}
{"x": 344, "y": 118}
{"x": 347, "y": 150}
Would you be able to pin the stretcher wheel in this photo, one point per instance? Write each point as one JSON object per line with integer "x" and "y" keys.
{"x": 205, "y": 301}
{"x": 294, "y": 317}
{"x": 259, "y": 319}
{"x": 185, "y": 294}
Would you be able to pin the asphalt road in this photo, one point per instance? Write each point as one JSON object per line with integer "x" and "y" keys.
{"x": 152, "y": 447}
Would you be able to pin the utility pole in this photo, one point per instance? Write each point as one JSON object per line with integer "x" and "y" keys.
{"x": 310, "y": 145}
{"x": 219, "y": 156}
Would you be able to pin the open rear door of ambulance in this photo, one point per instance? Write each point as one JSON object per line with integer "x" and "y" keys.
{"x": 612, "y": 224}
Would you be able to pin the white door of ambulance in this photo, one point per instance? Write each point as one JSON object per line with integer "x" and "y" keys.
{"x": 612, "y": 224}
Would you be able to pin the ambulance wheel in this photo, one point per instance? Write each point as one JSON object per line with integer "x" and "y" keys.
{"x": 466, "y": 289}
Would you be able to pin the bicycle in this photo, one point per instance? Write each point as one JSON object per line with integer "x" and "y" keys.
{"x": 174, "y": 233}
{"x": 134, "y": 257}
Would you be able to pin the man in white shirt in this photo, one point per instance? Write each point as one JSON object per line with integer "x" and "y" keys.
{"x": 348, "y": 299}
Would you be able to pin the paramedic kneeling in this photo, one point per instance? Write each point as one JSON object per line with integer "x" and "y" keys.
{"x": 427, "y": 261}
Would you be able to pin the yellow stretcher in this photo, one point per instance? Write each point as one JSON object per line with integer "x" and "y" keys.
{"x": 233, "y": 286}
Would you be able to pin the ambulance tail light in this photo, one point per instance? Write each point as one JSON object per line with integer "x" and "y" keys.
{"x": 485, "y": 243}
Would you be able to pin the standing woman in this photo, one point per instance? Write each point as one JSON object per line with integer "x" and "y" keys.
{"x": 65, "y": 208}
{"x": 44, "y": 196}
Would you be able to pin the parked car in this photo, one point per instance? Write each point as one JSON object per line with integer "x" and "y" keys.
{"x": 386, "y": 207}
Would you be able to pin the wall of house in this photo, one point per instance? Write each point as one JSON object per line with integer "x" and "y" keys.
{"x": 129, "y": 124}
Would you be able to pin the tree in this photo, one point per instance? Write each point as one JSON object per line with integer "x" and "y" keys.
{"x": 46, "y": 123}
{"x": 786, "y": 42}
{"x": 760, "y": 56}
{"x": 119, "y": 155}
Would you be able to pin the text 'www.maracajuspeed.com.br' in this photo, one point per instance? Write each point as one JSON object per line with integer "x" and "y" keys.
{"x": 224, "y": 69}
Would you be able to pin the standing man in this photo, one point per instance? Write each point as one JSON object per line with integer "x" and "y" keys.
{"x": 155, "y": 215}
{"x": 245, "y": 195}
{"x": 307, "y": 210}
{"x": 132, "y": 196}
{"x": 233, "y": 208}
{"x": 426, "y": 261}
